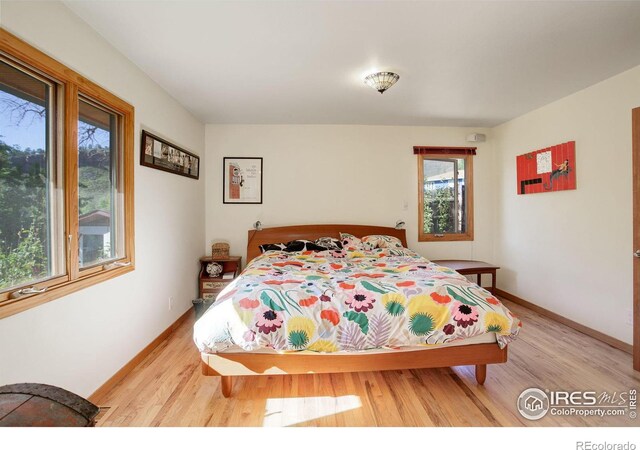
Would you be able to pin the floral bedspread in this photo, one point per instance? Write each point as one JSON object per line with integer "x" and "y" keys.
{"x": 331, "y": 301}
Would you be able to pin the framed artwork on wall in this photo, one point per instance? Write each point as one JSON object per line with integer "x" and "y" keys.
{"x": 547, "y": 170}
{"x": 242, "y": 180}
{"x": 163, "y": 155}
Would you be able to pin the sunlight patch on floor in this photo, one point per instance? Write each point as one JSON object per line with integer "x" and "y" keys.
{"x": 290, "y": 411}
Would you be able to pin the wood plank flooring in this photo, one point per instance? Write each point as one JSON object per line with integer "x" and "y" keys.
{"x": 167, "y": 388}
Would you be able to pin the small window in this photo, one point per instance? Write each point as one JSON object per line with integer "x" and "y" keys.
{"x": 66, "y": 180}
{"x": 446, "y": 197}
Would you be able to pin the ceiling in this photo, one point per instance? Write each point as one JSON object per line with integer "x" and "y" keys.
{"x": 460, "y": 63}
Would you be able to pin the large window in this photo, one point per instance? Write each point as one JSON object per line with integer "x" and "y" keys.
{"x": 30, "y": 230}
{"x": 445, "y": 176}
{"x": 66, "y": 188}
{"x": 98, "y": 176}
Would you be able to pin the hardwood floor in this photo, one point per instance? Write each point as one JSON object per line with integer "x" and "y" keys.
{"x": 167, "y": 388}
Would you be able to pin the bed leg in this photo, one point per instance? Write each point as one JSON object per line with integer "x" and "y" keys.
{"x": 226, "y": 384}
{"x": 481, "y": 373}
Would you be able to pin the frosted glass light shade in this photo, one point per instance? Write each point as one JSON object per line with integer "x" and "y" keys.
{"x": 381, "y": 81}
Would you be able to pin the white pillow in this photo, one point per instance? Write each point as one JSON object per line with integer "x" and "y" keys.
{"x": 382, "y": 241}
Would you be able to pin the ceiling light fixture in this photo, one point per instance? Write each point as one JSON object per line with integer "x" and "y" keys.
{"x": 381, "y": 81}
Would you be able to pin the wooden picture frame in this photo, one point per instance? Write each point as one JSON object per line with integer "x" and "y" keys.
{"x": 159, "y": 154}
{"x": 242, "y": 180}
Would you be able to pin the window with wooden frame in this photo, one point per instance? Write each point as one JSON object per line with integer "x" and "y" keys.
{"x": 66, "y": 180}
{"x": 445, "y": 193}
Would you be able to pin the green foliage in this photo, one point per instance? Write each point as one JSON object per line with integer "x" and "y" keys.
{"x": 24, "y": 209}
{"x": 95, "y": 187}
{"x": 427, "y": 214}
{"x": 438, "y": 215}
{"x": 94, "y": 179}
{"x": 23, "y": 193}
{"x": 444, "y": 206}
{"x": 26, "y": 262}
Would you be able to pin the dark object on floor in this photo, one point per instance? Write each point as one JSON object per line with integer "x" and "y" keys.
{"x": 42, "y": 405}
{"x": 201, "y": 305}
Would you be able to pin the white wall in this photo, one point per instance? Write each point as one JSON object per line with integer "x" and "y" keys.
{"x": 571, "y": 251}
{"x": 340, "y": 174}
{"x": 79, "y": 341}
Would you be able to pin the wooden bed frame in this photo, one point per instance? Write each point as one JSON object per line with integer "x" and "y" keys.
{"x": 228, "y": 365}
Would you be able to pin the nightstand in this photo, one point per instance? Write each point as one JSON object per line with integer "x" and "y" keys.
{"x": 209, "y": 287}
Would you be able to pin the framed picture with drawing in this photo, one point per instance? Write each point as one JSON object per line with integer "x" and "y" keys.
{"x": 242, "y": 179}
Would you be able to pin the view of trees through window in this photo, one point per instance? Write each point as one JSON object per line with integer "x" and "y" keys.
{"x": 444, "y": 196}
{"x": 27, "y": 181}
{"x": 96, "y": 188}
{"x": 25, "y": 253}
{"x": 66, "y": 180}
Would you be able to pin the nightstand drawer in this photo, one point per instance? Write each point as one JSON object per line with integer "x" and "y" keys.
{"x": 213, "y": 285}
{"x": 210, "y": 295}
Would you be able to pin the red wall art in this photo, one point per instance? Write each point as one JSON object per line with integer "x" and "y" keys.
{"x": 546, "y": 170}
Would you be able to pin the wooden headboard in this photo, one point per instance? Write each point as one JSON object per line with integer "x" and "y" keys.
{"x": 313, "y": 232}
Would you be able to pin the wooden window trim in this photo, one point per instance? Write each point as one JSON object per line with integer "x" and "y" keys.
{"x": 447, "y": 237}
{"x": 74, "y": 85}
{"x": 444, "y": 151}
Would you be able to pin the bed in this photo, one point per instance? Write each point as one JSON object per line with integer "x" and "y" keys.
{"x": 380, "y": 307}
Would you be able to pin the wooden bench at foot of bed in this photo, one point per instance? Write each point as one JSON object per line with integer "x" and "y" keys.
{"x": 228, "y": 365}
